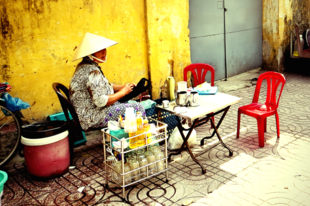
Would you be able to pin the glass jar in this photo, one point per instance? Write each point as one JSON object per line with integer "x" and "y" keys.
{"x": 142, "y": 162}
{"x": 151, "y": 159}
{"x": 147, "y": 128}
{"x": 140, "y": 154}
{"x": 134, "y": 164}
{"x": 161, "y": 164}
{"x": 128, "y": 176}
{"x": 116, "y": 177}
{"x": 129, "y": 159}
{"x": 110, "y": 162}
{"x": 155, "y": 149}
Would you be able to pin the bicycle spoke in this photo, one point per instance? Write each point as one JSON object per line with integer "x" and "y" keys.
{"x": 9, "y": 135}
{"x": 4, "y": 124}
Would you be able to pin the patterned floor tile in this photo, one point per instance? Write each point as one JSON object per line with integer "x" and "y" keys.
{"x": 277, "y": 174}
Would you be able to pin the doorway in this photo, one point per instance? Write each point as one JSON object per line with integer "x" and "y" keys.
{"x": 226, "y": 34}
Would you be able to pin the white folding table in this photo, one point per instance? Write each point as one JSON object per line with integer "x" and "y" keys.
{"x": 210, "y": 105}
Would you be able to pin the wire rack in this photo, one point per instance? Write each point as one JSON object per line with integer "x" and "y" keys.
{"x": 161, "y": 136}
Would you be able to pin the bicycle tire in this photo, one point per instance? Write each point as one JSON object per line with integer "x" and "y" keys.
{"x": 10, "y": 134}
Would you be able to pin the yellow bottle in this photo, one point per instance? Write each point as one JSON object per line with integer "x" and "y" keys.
{"x": 170, "y": 88}
{"x": 146, "y": 128}
{"x": 133, "y": 141}
{"x": 140, "y": 131}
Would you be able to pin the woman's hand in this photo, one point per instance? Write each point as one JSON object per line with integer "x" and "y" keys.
{"x": 131, "y": 85}
{"x": 127, "y": 89}
{"x": 117, "y": 88}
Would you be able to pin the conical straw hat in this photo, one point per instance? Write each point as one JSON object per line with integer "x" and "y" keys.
{"x": 90, "y": 44}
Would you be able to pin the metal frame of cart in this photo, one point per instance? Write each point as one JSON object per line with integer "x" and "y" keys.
{"x": 161, "y": 128}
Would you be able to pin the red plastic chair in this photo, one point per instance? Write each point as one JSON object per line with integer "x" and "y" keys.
{"x": 199, "y": 71}
{"x": 200, "y": 74}
{"x": 262, "y": 111}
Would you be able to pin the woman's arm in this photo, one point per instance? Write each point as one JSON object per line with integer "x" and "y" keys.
{"x": 118, "y": 95}
{"x": 97, "y": 90}
{"x": 117, "y": 88}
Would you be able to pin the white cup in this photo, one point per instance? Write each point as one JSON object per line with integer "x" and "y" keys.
{"x": 166, "y": 103}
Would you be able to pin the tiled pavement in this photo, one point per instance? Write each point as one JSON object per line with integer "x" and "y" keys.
{"x": 277, "y": 174}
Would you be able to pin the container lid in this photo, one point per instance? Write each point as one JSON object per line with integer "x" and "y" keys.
{"x": 44, "y": 141}
{"x": 44, "y": 129}
{"x": 3, "y": 178}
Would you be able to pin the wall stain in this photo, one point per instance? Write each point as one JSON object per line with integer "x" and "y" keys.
{"x": 5, "y": 70}
{"x": 89, "y": 4}
{"x": 171, "y": 62}
{"x": 36, "y": 5}
{"x": 6, "y": 28}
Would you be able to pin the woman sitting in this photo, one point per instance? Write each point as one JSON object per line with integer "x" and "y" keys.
{"x": 94, "y": 98}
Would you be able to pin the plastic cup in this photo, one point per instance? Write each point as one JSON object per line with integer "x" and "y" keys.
{"x": 165, "y": 103}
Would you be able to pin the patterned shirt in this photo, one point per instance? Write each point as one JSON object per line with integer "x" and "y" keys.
{"x": 89, "y": 90}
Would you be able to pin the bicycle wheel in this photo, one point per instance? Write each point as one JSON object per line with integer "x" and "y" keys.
{"x": 9, "y": 135}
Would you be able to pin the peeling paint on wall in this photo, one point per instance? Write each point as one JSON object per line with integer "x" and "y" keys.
{"x": 279, "y": 19}
{"x": 169, "y": 47}
{"x": 270, "y": 33}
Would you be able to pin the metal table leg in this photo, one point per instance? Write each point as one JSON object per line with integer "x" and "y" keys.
{"x": 216, "y": 129}
{"x": 185, "y": 143}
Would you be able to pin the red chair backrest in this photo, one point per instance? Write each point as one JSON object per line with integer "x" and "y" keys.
{"x": 274, "y": 79}
{"x": 199, "y": 71}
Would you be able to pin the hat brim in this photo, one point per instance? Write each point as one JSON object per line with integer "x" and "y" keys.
{"x": 90, "y": 44}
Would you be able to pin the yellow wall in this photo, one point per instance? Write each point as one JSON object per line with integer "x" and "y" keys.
{"x": 279, "y": 19}
{"x": 270, "y": 33}
{"x": 39, "y": 38}
{"x": 168, "y": 35}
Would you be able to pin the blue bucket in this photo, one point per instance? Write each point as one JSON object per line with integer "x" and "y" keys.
{"x": 3, "y": 179}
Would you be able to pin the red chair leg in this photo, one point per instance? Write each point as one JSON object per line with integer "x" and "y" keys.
{"x": 265, "y": 126}
{"x": 278, "y": 124}
{"x": 261, "y": 134}
{"x": 238, "y": 123}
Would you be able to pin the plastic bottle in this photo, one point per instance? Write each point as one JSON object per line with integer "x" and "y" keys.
{"x": 302, "y": 42}
{"x": 146, "y": 128}
{"x": 140, "y": 131}
{"x": 171, "y": 88}
{"x": 131, "y": 126}
{"x": 130, "y": 121}
{"x": 295, "y": 53}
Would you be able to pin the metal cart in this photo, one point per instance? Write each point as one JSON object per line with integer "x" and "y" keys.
{"x": 161, "y": 129}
